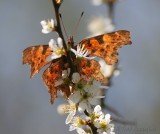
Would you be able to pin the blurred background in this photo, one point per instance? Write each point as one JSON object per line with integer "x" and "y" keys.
{"x": 135, "y": 93}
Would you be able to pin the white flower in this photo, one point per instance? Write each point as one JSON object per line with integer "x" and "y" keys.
{"x": 86, "y": 97}
{"x": 60, "y": 109}
{"x": 108, "y": 70}
{"x": 47, "y": 26}
{"x": 78, "y": 83}
{"x": 98, "y": 111}
{"x": 71, "y": 109}
{"x": 77, "y": 124}
{"x": 65, "y": 74}
{"x": 103, "y": 124}
{"x": 100, "y": 25}
{"x": 81, "y": 52}
{"x": 57, "y": 48}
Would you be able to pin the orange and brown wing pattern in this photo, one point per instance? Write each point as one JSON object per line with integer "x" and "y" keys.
{"x": 51, "y": 75}
{"x": 106, "y": 45}
{"x": 91, "y": 69}
{"x": 36, "y": 56}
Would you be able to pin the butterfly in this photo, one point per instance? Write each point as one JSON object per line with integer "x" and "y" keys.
{"x": 104, "y": 46}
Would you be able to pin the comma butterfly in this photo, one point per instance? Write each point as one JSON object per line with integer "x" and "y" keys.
{"x": 104, "y": 46}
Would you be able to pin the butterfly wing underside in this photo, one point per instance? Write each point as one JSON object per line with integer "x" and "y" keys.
{"x": 106, "y": 46}
{"x": 51, "y": 75}
{"x": 90, "y": 68}
{"x": 36, "y": 56}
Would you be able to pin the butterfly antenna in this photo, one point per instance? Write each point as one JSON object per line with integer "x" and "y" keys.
{"x": 63, "y": 25}
{"x": 76, "y": 27}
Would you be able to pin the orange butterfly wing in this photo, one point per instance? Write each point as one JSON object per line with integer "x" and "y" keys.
{"x": 106, "y": 46}
{"x": 51, "y": 75}
{"x": 36, "y": 56}
{"x": 90, "y": 68}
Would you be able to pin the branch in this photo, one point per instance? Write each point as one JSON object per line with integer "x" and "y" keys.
{"x": 59, "y": 31}
{"x": 93, "y": 128}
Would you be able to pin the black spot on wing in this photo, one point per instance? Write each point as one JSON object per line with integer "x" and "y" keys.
{"x": 44, "y": 50}
{"x": 99, "y": 39}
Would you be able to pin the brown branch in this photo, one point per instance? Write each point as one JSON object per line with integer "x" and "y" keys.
{"x": 59, "y": 31}
{"x": 93, "y": 128}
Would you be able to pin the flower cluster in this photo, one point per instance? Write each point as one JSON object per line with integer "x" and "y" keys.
{"x": 99, "y": 120}
{"x": 83, "y": 100}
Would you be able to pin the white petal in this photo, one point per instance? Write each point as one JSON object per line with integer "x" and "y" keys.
{"x": 52, "y": 23}
{"x": 97, "y": 109}
{"x": 55, "y": 56}
{"x": 64, "y": 73}
{"x": 111, "y": 126}
{"x": 83, "y": 105}
{"x": 75, "y": 77}
{"x": 97, "y": 2}
{"x": 74, "y": 51}
{"x": 72, "y": 127}
{"x": 97, "y": 124}
{"x": 52, "y": 44}
{"x": 93, "y": 101}
{"x": 116, "y": 72}
{"x": 80, "y": 131}
{"x": 43, "y": 22}
{"x": 107, "y": 118}
{"x": 60, "y": 42}
{"x": 59, "y": 82}
{"x": 88, "y": 88}
{"x": 75, "y": 98}
{"x": 70, "y": 117}
{"x": 104, "y": 87}
{"x": 99, "y": 97}
{"x": 45, "y": 31}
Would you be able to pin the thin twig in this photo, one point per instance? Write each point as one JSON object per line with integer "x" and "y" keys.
{"x": 113, "y": 110}
{"x": 123, "y": 121}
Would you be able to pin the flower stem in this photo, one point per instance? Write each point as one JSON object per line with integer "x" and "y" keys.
{"x": 93, "y": 128}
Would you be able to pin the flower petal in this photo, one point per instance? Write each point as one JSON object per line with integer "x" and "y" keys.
{"x": 70, "y": 117}
{"x": 60, "y": 42}
{"x": 52, "y": 44}
{"x": 75, "y": 77}
{"x": 55, "y": 56}
{"x": 80, "y": 131}
{"x": 97, "y": 109}
{"x": 72, "y": 127}
{"x": 75, "y": 98}
{"x": 59, "y": 82}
